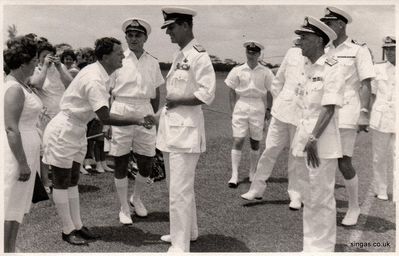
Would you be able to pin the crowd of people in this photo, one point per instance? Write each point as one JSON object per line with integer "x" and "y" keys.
{"x": 326, "y": 90}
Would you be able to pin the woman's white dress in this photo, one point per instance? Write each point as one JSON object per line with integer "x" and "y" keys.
{"x": 18, "y": 195}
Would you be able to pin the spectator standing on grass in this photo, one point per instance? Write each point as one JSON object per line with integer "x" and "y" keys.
{"x": 382, "y": 120}
{"x": 316, "y": 144}
{"x": 136, "y": 89}
{"x": 250, "y": 85}
{"x": 358, "y": 71}
{"x": 50, "y": 78}
{"x": 22, "y": 153}
{"x": 287, "y": 88}
{"x": 190, "y": 83}
{"x": 65, "y": 140}
{"x": 68, "y": 58}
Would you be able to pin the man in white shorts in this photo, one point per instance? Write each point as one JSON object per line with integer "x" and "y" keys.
{"x": 249, "y": 84}
{"x": 64, "y": 139}
{"x": 135, "y": 89}
{"x": 358, "y": 70}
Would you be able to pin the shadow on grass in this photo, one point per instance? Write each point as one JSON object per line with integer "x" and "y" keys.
{"x": 371, "y": 223}
{"x": 218, "y": 243}
{"x": 263, "y": 202}
{"x": 126, "y": 234}
{"x": 87, "y": 188}
{"x": 277, "y": 180}
{"x": 152, "y": 217}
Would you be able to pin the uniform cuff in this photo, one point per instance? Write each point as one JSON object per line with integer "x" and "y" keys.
{"x": 204, "y": 97}
{"x": 332, "y": 99}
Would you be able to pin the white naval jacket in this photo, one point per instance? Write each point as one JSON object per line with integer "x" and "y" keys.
{"x": 357, "y": 65}
{"x": 287, "y": 86}
{"x": 182, "y": 129}
{"x": 324, "y": 86}
{"x": 383, "y": 86}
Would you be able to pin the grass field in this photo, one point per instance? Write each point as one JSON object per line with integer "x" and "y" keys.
{"x": 226, "y": 223}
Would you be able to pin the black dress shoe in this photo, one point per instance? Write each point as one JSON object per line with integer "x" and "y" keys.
{"x": 74, "y": 238}
{"x": 232, "y": 185}
{"x": 86, "y": 233}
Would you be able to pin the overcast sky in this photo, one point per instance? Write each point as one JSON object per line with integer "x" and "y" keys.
{"x": 221, "y": 29}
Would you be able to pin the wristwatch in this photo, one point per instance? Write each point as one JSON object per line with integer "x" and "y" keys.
{"x": 365, "y": 110}
{"x": 312, "y": 138}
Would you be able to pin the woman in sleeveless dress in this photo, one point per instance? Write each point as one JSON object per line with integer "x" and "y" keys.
{"x": 21, "y": 110}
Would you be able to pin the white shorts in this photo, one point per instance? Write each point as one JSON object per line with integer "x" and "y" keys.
{"x": 248, "y": 117}
{"x": 64, "y": 141}
{"x": 348, "y": 139}
{"x": 132, "y": 137}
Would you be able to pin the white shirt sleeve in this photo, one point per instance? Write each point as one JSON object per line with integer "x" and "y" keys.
{"x": 364, "y": 64}
{"x": 279, "y": 80}
{"x": 97, "y": 95}
{"x": 268, "y": 80}
{"x": 334, "y": 81}
{"x": 205, "y": 78}
{"x": 232, "y": 79}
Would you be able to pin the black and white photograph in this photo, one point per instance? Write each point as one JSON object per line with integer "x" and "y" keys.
{"x": 179, "y": 127}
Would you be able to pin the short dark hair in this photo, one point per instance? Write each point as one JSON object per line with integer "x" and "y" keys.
{"x": 104, "y": 46}
{"x": 66, "y": 53}
{"x": 44, "y": 45}
{"x": 21, "y": 50}
{"x": 181, "y": 21}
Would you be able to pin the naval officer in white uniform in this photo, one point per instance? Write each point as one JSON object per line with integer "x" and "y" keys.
{"x": 316, "y": 143}
{"x": 190, "y": 83}
{"x": 358, "y": 70}
{"x": 382, "y": 120}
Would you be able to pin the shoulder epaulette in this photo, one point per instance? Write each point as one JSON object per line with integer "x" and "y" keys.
{"x": 331, "y": 61}
{"x": 358, "y": 43}
{"x": 152, "y": 55}
{"x": 199, "y": 48}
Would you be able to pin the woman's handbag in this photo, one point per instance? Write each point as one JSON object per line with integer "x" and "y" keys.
{"x": 39, "y": 192}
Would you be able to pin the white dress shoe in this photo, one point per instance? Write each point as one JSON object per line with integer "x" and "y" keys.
{"x": 351, "y": 217}
{"x": 383, "y": 197}
{"x": 125, "y": 218}
{"x": 138, "y": 206}
{"x": 168, "y": 239}
{"x": 295, "y": 205}
{"x": 83, "y": 171}
{"x": 106, "y": 167}
{"x": 251, "y": 195}
{"x": 99, "y": 168}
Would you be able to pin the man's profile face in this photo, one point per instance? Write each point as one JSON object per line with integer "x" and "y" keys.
{"x": 116, "y": 56}
{"x": 176, "y": 32}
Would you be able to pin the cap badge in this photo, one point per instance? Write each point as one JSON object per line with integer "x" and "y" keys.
{"x": 388, "y": 40}
{"x": 135, "y": 23}
{"x": 252, "y": 45}
{"x": 327, "y": 11}
{"x": 306, "y": 22}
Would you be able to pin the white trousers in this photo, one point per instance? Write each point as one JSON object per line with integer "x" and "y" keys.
{"x": 279, "y": 135}
{"x": 319, "y": 213}
{"x": 383, "y": 158}
{"x": 180, "y": 173}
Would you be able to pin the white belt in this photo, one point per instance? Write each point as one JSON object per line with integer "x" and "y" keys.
{"x": 131, "y": 100}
